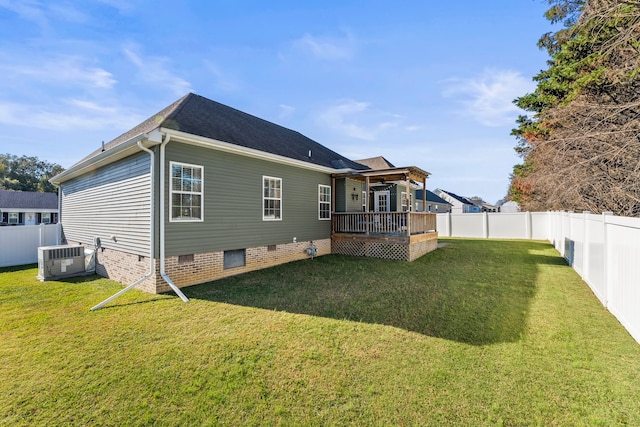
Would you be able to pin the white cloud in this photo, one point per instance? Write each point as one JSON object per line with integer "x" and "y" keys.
{"x": 69, "y": 114}
{"x": 63, "y": 70}
{"x": 155, "y": 71}
{"x": 327, "y": 48}
{"x": 29, "y": 10}
{"x": 41, "y": 13}
{"x": 68, "y": 12}
{"x": 357, "y": 120}
{"x": 488, "y": 98}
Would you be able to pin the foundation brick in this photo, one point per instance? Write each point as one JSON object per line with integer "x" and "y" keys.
{"x": 205, "y": 267}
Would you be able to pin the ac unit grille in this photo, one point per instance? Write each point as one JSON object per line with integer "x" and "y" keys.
{"x": 62, "y": 253}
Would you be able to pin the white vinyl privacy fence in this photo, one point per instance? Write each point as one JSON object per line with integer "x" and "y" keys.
{"x": 19, "y": 244}
{"x": 603, "y": 249}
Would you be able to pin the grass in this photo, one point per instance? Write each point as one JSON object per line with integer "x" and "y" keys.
{"x": 476, "y": 333}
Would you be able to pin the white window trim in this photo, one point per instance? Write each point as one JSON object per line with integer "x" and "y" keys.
{"x": 269, "y": 218}
{"x": 172, "y": 192}
{"x": 45, "y": 217}
{"x": 320, "y": 202}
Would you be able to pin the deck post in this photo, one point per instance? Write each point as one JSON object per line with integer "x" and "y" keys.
{"x": 333, "y": 203}
{"x": 367, "y": 220}
{"x": 424, "y": 194}
{"x": 408, "y": 201}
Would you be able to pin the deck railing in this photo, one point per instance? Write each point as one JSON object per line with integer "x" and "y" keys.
{"x": 391, "y": 223}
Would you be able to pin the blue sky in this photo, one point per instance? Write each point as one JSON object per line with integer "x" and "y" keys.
{"x": 422, "y": 83}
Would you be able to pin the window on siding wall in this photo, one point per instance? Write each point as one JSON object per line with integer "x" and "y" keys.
{"x": 403, "y": 196}
{"x": 186, "y": 192}
{"x": 272, "y": 198}
{"x": 45, "y": 218}
{"x": 14, "y": 218}
{"x": 324, "y": 202}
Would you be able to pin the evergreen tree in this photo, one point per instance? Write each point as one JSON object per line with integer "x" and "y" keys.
{"x": 579, "y": 146}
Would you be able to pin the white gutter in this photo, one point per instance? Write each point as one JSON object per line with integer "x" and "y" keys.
{"x": 210, "y": 143}
{"x": 109, "y": 156}
{"x": 163, "y": 273}
{"x": 152, "y": 233}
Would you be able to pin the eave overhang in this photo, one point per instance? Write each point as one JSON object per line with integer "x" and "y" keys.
{"x": 106, "y": 157}
{"x": 155, "y": 138}
{"x": 215, "y": 144}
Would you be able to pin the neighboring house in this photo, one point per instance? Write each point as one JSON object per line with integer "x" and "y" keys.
{"x": 28, "y": 208}
{"x": 459, "y": 204}
{"x": 484, "y": 206}
{"x": 202, "y": 191}
{"x": 435, "y": 204}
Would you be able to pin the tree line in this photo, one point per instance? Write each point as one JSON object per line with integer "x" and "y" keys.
{"x": 580, "y": 141}
{"x": 26, "y": 173}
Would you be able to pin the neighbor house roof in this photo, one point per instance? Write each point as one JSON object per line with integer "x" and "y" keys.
{"x": 461, "y": 199}
{"x": 197, "y": 115}
{"x": 431, "y": 197}
{"x": 28, "y": 200}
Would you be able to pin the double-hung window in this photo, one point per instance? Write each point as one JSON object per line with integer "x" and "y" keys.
{"x": 187, "y": 197}
{"x": 14, "y": 217}
{"x": 324, "y": 202}
{"x": 271, "y": 198}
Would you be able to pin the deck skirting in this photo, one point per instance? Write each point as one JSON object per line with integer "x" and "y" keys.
{"x": 404, "y": 248}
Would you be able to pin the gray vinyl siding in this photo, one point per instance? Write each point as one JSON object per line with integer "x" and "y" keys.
{"x": 110, "y": 201}
{"x": 233, "y": 203}
{"x": 344, "y": 189}
{"x": 354, "y": 205}
{"x": 396, "y": 197}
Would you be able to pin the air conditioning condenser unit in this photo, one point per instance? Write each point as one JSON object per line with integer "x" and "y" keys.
{"x": 55, "y": 262}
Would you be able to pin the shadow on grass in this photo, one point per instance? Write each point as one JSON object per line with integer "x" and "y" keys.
{"x": 471, "y": 291}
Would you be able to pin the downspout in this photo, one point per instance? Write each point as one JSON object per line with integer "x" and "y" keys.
{"x": 151, "y": 231}
{"x": 59, "y": 221}
{"x": 163, "y": 273}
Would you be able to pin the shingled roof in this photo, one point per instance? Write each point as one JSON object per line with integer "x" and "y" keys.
{"x": 431, "y": 197}
{"x": 28, "y": 200}
{"x": 378, "y": 162}
{"x": 197, "y": 115}
{"x": 461, "y": 199}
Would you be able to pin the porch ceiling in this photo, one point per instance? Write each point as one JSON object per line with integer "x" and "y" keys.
{"x": 392, "y": 174}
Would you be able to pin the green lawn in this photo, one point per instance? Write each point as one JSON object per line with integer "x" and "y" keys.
{"x": 476, "y": 333}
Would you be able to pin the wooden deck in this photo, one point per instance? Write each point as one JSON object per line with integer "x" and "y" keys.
{"x": 384, "y": 223}
{"x": 389, "y": 235}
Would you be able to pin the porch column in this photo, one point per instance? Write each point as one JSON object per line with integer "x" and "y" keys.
{"x": 408, "y": 182}
{"x": 424, "y": 194}
{"x": 366, "y": 201}
{"x": 333, "y": 203}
